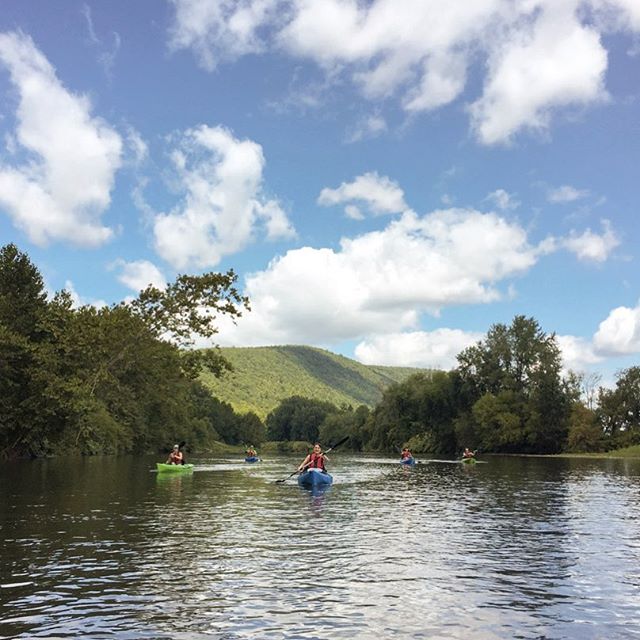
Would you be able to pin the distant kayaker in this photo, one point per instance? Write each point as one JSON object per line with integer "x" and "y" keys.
{"x": 315, "y": 460}
{"x": 251, "y": 452}
{"x": 176, "y": 456}
{"x": 467, "y": 453}
{"x": 406, "y": 454}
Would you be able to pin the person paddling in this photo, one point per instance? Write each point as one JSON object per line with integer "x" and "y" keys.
{"x": 176, "y": 456}
{"x": 315, "y": 460}
{"x": 406, "y": 454}
{"x": 467, "y": 453}
{"x": 251, "y": 453}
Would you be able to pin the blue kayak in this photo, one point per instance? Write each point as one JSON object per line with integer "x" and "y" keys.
{"x": 252, "y": 459}
{"x": 314, "y": 478}
{"x": 408, "y": 461}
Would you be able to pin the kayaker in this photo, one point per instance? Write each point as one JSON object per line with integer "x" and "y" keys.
{"x": 251, "y": 452}
{"x": 176, "y": 456}
{"x": 467, "y": 453}
{"x": 406, "y": 454}
{"x": 315, "y": 460}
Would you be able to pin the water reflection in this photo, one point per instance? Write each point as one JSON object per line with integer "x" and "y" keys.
{"x": 515, "y": 548}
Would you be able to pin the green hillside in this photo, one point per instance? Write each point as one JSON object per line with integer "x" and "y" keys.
{"x": 263, "y": 376}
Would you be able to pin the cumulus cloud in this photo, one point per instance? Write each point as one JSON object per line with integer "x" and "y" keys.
{"x": 431, "y": 349}
{"x": 139, "y": 274}
{"x": 380, "y": 194}
{"x": 541, "y": 55}
{"x": 556, "y": 62}
{"x": 223, "y": 205}
{"x": 619, "y": 333}
{"x": 566, "y": 193}
{"x": 578, "y": 353}
{"x": 590, "y": 246}
{"x": 382, "y": 281}
{"x": 63, "y": 186}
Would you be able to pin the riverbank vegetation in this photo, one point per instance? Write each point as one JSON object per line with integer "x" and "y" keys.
{"x": 125, "y": 378}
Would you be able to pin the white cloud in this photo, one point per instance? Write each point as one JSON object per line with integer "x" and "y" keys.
{"x": 541, "y": 55}
{"x": 557, "y": 62}
{"x": 223, "y": 205}
{"x": 618, "y": 14}
{"x": 64, "y": 184}
{"x": 619, "y": 333}
{"x": 503, "y": 200}
{"x": 566, "y": 193}
{"x": 218, "y": 31}
{"x": 139, "y": 274}
{"x": 381, "y": 282}
{"x": 590, "y": 246}
{"x": 431, "y": 349}
{"x": 379, "y": 193}
{"x": 577, "y": 353}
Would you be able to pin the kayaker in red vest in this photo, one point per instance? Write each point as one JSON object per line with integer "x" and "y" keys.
{"x": 251, "y": 452}
{"x": 467, "y": 453}
{"x": 315, "y": 460}
{"x": 406, "y": 454}
{"x": 176, "y": 456}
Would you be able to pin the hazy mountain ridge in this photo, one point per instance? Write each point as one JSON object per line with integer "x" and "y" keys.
{"x": 263, "y": 376}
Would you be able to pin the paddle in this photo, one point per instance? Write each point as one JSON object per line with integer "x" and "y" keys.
{"x": 337, "y": 444}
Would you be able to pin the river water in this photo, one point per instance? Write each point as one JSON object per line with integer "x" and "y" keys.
{"x": 512, "y": 548}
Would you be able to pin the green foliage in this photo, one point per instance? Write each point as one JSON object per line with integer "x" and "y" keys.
{"x": 512, "y": 382}
{"x": 298, "y": 418}
{"x": 585, "y": 433}
{"x": 346, "y": 422}
{"x": 424, "y": 405}
{"x": 619, "y": 409}
{"x": 264, "y": 376}
{"x": 108, "y": 380}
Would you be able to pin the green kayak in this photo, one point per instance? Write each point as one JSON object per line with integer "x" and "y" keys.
{"x": 468, "y": 460}
{"x": 173, "y": 468}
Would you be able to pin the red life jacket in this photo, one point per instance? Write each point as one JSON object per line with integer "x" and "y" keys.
{"x": 316, "y": 461}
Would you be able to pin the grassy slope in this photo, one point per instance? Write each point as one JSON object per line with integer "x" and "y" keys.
{"x": 264, "y": 376}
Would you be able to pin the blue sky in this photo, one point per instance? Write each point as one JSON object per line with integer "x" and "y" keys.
{"x": 388, "y": 178}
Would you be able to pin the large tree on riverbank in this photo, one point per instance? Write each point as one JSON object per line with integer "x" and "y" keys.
{"x": 515, "y": 394}
{"x": 118, "y": 378}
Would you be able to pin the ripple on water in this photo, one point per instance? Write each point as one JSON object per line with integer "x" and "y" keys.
{"x": 517, "y": 548}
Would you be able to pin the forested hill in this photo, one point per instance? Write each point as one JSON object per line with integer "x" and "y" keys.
{"x": 263, "y": 376}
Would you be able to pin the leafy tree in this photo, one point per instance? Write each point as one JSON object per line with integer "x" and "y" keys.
{"x": 251, "y": 429}
{"x": 585, "y": 433}
{"x": 119, "y": 378}
{"x": 515, "y": 375}
{"x": 424, "y": 405}
{"x": 190, "y": 307}
{"x": 298, "y": 418}
{"x": 345, "y": 422}
{"x": 619, "y": 409}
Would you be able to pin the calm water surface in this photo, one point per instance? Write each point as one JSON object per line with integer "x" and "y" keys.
{"x": 514, "y": 548}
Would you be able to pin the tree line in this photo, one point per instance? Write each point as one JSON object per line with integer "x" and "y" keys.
{"x": 117, "y": 379}
{"x": 508, "y": 394}
{"x": 124, "y": 378}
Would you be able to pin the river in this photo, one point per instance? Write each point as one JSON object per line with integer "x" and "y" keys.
{"x": 515, "y": 547}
